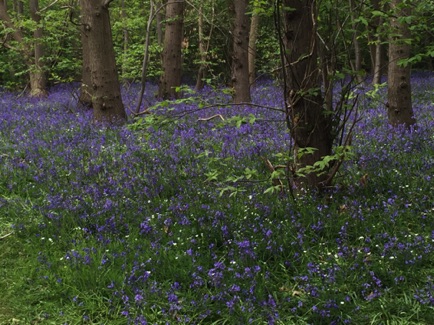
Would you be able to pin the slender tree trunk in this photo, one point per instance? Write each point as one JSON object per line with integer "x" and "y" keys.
{"x": 399, "y": 106}
{"x": 38, "y": 83}
{"x": 106, "y": 97}
{"x": 376, "y": 47}
{"x": 378, "y": 62}
{"x": 160, "y": 17}
{"x": 16, "y": 32}
{"x": 125, "y": 35}
{"x": 172, "y": 56}
{"x": 310, "y": 125}
{"x": 253, "y": 36}
{"x": 18, "y": 6}
{"x": 240, "y": 60}
{"x": 145, "y": 56}
{"x": 356, "y": 45}
{"x": 202, "y": 50}
{"x": 31, "y": 54}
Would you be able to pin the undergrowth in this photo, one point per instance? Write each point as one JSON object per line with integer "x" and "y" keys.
{"x": 169, "y": 221}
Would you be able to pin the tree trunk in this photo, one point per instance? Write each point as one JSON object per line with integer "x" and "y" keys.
{"x": 145, "y": 57}
{"x": 377, "y": 62}
{"x": 38, "y": 81}
{"x": 253, "y": 36}
{"x": 310, "y": 125}
{"x": 399, "y": 106}
{"x": 86, "y": 82}
{"x": 31, "y": 54}
{"x": 18, "y": 6}
{"x": 172, "y": 57}
{"x": 376, "y": 47}
{"x": 202, "y": 50}
{"x": 106, "y": 97}
{"x": 125, "y": 35}
{"x": 160, "y": 16}
{"x": 240, "y": 60}
{"x": 356, "y": 44}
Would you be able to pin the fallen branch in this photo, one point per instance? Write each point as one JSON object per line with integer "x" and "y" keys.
{"x": 211, "y": 117}
{"x": 5, "y": 236}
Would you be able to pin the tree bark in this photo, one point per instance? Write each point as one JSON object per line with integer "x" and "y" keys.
{"x": 106, "y": 96}
{"x": 172, "y": 56}
{"x": 399, "y": 106}
{"x": 38, "y": 81}
{"x": 86, "y": 82}
{"x": 377, "y": 61}
{"x": 253, "y": 37}
{"x": 310, "y": 125}
{"x": 240, "y": 59}
{"x": 356, "y": 45}
{"x": 376, "y": 47}
{"x": 160, "y": 17}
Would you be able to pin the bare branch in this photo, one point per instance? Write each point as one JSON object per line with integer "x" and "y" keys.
{"x": 5, "y": 236}
{"x": 49, "y": 6}
{"x": 211, "y": 117}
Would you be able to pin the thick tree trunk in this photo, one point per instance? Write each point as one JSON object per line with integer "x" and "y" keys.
{"x": 38, "y": 81}
{"x": 310, "y": 125}
{"x": 106, "y": 97}
{"x": 172, "y": 57}
{"x": 253, "y": 36}
{"x": 240, "y": 59}
{"x": 399, "y": 107}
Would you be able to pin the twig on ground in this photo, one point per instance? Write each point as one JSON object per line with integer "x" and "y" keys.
{"x": 5, "y": 236}
{"x": 211, "y": 117}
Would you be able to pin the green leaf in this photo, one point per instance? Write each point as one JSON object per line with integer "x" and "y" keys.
{"x": 377, "y": 13}
{"x": 212, "y": 175}
{"x": 231, "y": 189}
